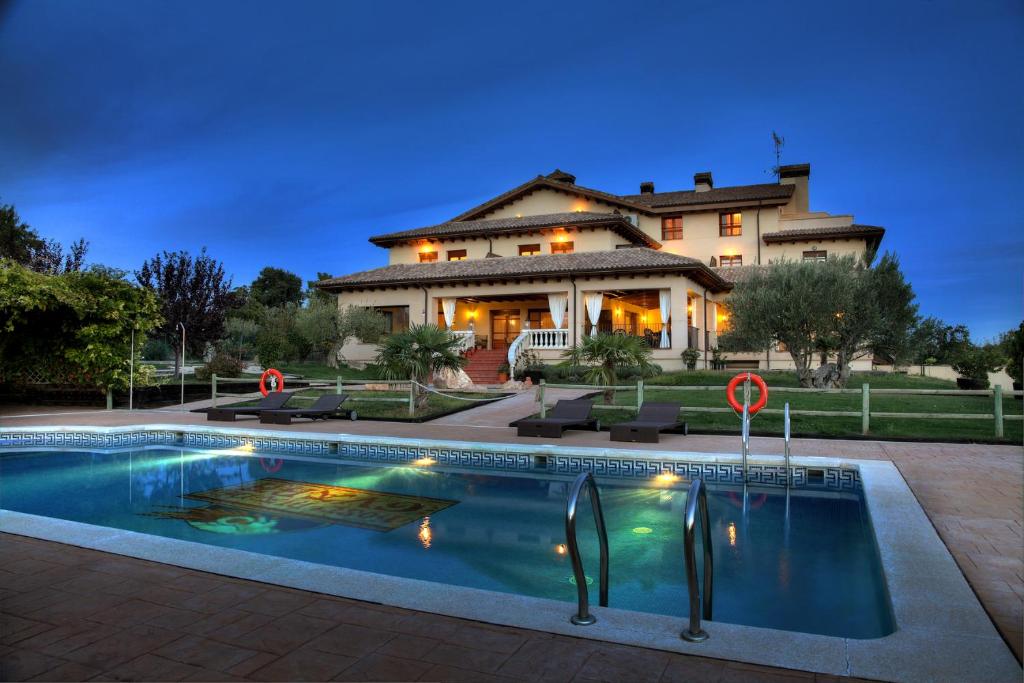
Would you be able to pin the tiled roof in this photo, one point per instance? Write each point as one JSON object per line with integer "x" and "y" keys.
{"x": 737, "y": 273}
{"x": 496, "y": 226}
{"x": 558, "y": 181}
{"x": 872, "y": 233}
{"x": 637, "y": 260}
{"x": 740, "y": 193}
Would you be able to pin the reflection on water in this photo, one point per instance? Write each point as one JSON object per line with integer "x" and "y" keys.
{"x": 804, "y": 562}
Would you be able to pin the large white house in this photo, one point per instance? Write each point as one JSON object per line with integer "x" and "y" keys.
{"x": 541, "y": 265}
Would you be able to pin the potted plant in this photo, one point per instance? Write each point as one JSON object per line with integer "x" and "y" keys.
{"x": 716, "y": 359}
{"x": 503, "y": 371}
{"x": 690, "y": 357}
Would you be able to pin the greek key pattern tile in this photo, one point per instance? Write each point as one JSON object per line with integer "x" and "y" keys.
{"x": 258, "y": 443}
{"x": 447, "y": 456}
{"x": 839, "y": 479}
{"x": 86, "y": 439}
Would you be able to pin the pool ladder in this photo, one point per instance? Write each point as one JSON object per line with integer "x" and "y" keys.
{"x": 700, "y": 602}
{"x": 583, "y": 616}
{"x": 696, "y": 510}
{"x": 786, "y": 436}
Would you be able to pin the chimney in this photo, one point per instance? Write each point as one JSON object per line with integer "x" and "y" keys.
{"x": 798, "y": 175}
{"x": 647, "y": 187}
{"x": 560, "y": 176}
{"x": 702, "y": 182}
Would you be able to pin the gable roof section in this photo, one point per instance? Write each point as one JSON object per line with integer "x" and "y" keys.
{"x": 506, "y": 226}
{"x": 872, "y": 233}
{"x": 721, "y": 195}
{"x": 557, "y": 181}
{"x": 639, "y": 260}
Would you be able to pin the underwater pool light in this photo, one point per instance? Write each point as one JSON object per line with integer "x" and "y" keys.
{"x": 424, "y": 462}
{"x": 643, "y": 530}
{"x": 666, "y": 478}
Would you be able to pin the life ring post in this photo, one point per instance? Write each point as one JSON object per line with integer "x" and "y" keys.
{"x": 276, "y": 378}
{"x": 747, "y": 378}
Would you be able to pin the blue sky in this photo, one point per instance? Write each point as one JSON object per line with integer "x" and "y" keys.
{"x": 287, "y": 133}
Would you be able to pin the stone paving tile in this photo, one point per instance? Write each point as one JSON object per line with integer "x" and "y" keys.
{"x": 121, "y": 647}
{"x": 350, "y": 639}
{"x": 282, "y": 635}
{"x": 205, "y": 653}
{"x": 380, "y": 667}
{"x": 620, "y": 663}
{"x": 466, "y": 657}
{"x": 22, "y": 665}
{"x": 304, "y": 665}
{"x": 68, "y": 671}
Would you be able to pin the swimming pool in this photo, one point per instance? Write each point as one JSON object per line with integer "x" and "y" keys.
{"x": 803, "y": 561}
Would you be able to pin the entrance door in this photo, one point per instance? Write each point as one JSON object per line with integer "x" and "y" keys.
{"x": 505, "y": 327}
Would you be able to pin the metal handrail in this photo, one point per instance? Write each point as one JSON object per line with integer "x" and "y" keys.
{"x": 697, "y": 501}
{"x": 786, "y": 437}
{"x": 745, "y": 437}
{"x": 583, "y": 616}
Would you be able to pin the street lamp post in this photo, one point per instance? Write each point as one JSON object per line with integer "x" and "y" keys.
{"x": 182, "y": 326}
{"x": 131, "y": 373}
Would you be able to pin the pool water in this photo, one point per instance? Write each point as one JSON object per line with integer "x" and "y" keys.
{"x": 804, "y": 561}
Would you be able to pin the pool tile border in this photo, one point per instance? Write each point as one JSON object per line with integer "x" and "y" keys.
{"x": 557, "y": 459}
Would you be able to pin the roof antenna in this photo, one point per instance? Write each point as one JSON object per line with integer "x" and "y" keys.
{"x": 778, "y": 142}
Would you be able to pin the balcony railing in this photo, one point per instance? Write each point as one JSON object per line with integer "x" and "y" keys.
{"x": 467, "y": 339}
{"x": 547, "y": 339}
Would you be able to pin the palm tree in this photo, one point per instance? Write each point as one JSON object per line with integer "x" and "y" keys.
{"x": 417, "y": 354}
{"x": 605, "y": 354}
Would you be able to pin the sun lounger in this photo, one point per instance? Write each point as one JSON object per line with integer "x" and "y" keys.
{"x": 272, "y": 401}
{"x": 574, "y": 414}
{"x": 651, "y": 419}
{"x": 324, "y": 408}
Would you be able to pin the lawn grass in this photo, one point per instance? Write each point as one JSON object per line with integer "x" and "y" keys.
{"x": 938, "y": 429}
{"x": 436, "y": 406}
{"x": 321, "y": 371}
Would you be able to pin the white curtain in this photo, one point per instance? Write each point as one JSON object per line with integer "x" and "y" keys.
{"x": 592, "y": 301}
{"x": 665, "y": 302}
{"x": 557, "y": 302}
{"x": 448, "y": 306}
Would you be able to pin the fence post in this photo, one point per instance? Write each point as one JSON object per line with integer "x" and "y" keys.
{"x": 865, "y": 408}
{"x": 337, "y": 388}
{"x": 997, "y": 393}
{"x": 639, "y": 394}
{"x": 110, "y": 398}
{"x": 540, "y": 393}
{"x": 412, "y": 399}
{"x": 213, "y": 390}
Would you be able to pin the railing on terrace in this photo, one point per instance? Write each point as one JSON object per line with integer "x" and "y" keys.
{"x": 541, "y": 339}
{"x": 466, "y": 338}
{"x": 996, "y": 393}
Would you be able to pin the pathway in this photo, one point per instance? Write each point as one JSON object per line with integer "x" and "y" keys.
{"x": 70, "y": 614}
{"x": 499, "y": 414}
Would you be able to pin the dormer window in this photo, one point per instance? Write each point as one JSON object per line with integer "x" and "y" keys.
{"x": 730, "y": 224}
{"x": 456, "y": 254}
{"x": 730, "y": 261}
{"x": 561, "y": 247}
{"x": 529, "y": 250}
{"x": 428, "y": 256}
{"x": 672, "y": 228}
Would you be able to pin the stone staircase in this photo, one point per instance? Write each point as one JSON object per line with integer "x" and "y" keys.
{"x": 483, "y": 365}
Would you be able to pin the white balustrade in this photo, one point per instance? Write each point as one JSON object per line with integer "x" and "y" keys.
{"x": 467, "y": 339}
{"x": 548, "y": 339}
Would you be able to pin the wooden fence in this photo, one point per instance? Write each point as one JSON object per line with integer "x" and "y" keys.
{"x": 865, "y": 413}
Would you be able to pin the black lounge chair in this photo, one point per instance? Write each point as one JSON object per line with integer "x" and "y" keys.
{"x": 272, "y": 401}
{"x": 324, "y": 408}
{"x": 651, "y": 419}
{"x": 574, "y": 414}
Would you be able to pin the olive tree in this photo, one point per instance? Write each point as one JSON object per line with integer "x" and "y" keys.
{"x": 842, "y": 307}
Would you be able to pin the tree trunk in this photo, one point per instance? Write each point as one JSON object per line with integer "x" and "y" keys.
{"x": 803, "y": 368}
{"x": 843, "y": 363}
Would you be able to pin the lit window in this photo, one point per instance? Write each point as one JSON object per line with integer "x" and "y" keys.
{"x": 529, "y": 250}
{"x": 672, "y": 228}
{"x": 428, "y": 256}
{"x": 730, "y": 261}
{"x": 816, "y": 255}
{"x": 456, "y": 254}
{"x": 730, "y": 224}
{"x": 561, "y": 247}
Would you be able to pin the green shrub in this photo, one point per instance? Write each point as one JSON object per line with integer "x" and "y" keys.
{"x": 690, "y": 357}
{"x": 272, "y": 346}
{"x": 975, "y": 362}
{"x": 222, "y": 365}
{"x": 157, "y": 349}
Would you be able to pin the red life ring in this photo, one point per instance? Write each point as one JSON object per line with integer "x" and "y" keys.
{"x": 271, "y": 465}
{"x": 271, "y": 373}
{"x": 730, "y": 392}
{"x": 755, "y": 503}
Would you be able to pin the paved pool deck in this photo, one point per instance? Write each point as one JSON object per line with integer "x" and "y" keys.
{"x": 973, "y": 494}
